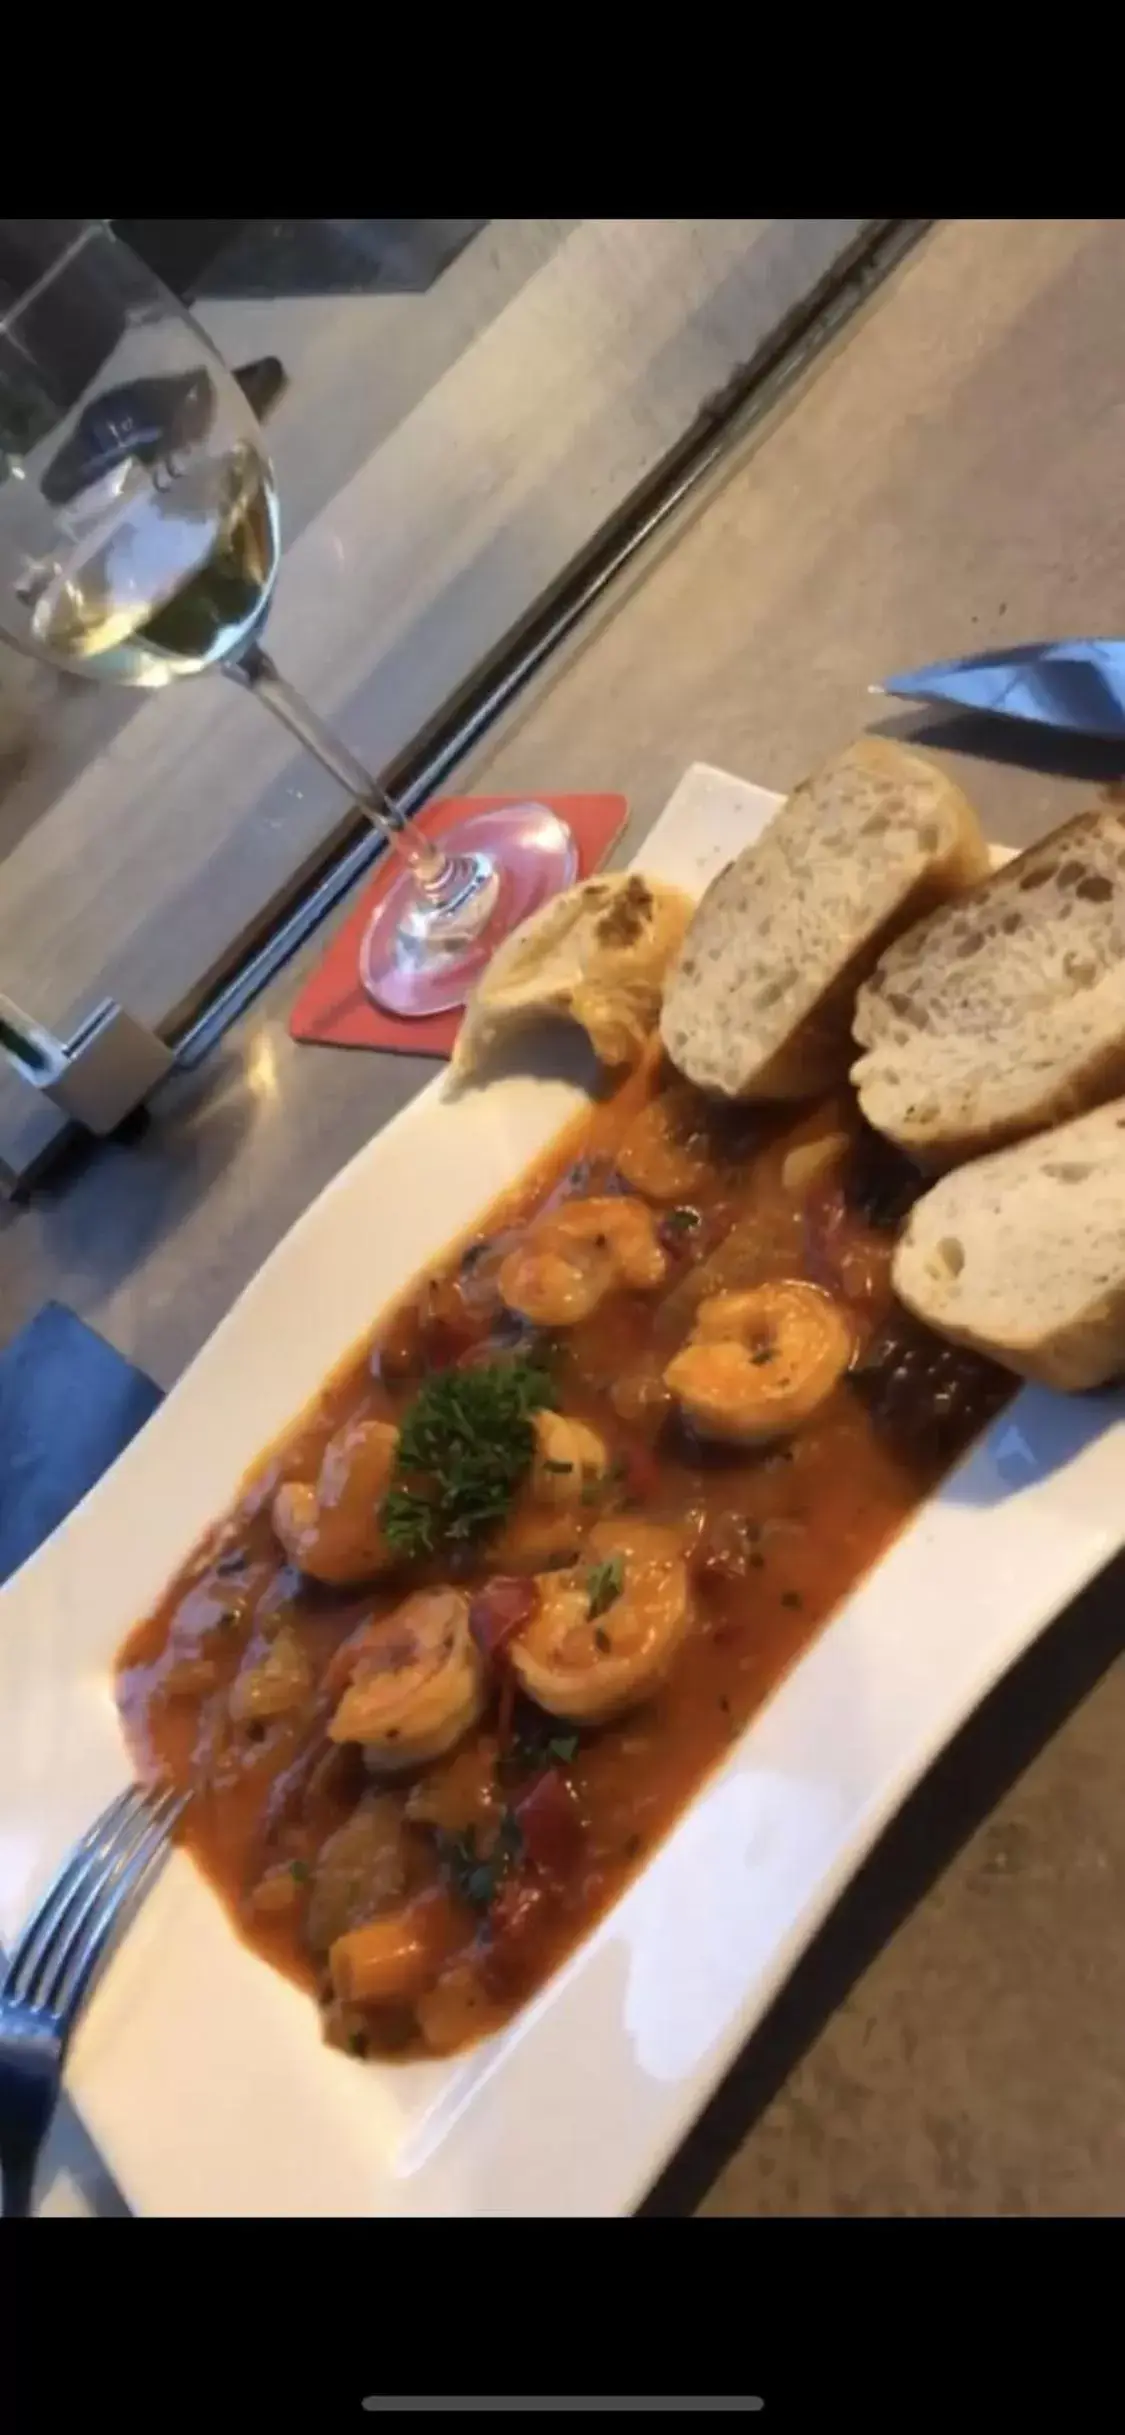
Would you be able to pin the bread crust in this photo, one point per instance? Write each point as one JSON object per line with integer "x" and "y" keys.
{"x": 957, "y": 1264}
{"x": 596, "y": 955}
{"x": 814, "y": 1054}
{"x": 1000, "y": 1088}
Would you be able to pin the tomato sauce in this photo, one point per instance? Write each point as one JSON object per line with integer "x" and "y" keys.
{"x": 519, "y": 1837}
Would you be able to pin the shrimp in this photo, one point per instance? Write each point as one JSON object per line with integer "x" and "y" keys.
{"x": 390, "y": 1959}
{"x": 760, "y": 1361}
{"x": 275, "y": 1683}
{"x": 418, "y": 1683}
{"x": 569, "y": 1459}
{"x": 332, "y": 1530}
{"x": 534, "y": 1537}
{"x": 605, "y": 1632}
{"x": 547, "y": 1523}
{"x": 573, "y": 1256}
{"x": 663, "y": 1152}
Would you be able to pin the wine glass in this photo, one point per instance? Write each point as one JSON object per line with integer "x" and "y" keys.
{"x": 139, "y": 544}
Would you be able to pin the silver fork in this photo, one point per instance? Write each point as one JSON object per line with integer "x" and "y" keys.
{"x": 52, "y": 1969}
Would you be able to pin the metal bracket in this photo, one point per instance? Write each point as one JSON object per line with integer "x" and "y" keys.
{"x": 97, "y": 1078}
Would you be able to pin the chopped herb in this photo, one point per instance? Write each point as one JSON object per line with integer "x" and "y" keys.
{"x": 764, "y": 1353}
{"x": 457, "y": 1855}
{"x": 474, "y": 1873}
{"x": 536, "y": 1746}
{"x": 549, "y": 1465}
{"x": 602, "y": 1640}
{"x": 681, "y": 1221}
{"x": 792, "y": 1598}
{"x": 465, "y": 1445}
{"x": 299, "y": 1871}
{"x": 560, "y": 1559}
{"x": 598, "y": 1485}
{"x": 604, "y": 1583}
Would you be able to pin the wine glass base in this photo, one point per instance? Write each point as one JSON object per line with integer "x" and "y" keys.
{"x": 421, "y": 959}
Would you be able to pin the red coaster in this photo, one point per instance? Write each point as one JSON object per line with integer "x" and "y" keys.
{"x": 334, "y": 1006}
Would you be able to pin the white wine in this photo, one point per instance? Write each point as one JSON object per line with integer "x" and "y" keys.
{"x": 172, "y": 577}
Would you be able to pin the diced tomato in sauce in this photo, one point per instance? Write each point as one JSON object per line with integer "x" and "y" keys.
{"x": 550, "y": 1823}
{"x": 500, "y": 1610}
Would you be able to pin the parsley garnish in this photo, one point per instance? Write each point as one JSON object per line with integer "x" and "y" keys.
{"x": 536, "y": 1749}
{"x": 474, "y": 1874}
{"x": 538, "y": 1742}
{"x": 464, "y": 1447}
{"x": 681, "y": 1221}
{"x": 604, "y": 1583}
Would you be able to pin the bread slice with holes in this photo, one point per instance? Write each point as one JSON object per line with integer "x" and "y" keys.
{"x": 1004, "y": 1014}
{"x": 758, "y": 1002}
{"x": 1022, "y": 1255}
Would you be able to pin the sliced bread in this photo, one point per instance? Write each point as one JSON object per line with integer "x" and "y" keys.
{"x": 1001, "y": 1015}
{"x": 1022, "y": 1255}
{"x": 759, "y": 1000}
{"x": 597, "y": 955}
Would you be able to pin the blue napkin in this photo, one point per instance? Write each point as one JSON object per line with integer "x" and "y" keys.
{"x": 68, "y": 1405}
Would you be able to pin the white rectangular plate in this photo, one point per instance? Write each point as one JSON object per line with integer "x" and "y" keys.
{"x": 199, "y": 2072}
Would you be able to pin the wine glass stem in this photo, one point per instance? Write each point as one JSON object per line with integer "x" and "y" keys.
{"x": 436, "y": 876}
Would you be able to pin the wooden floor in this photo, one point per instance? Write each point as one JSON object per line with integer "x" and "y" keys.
{"x": 441, "y": 456}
